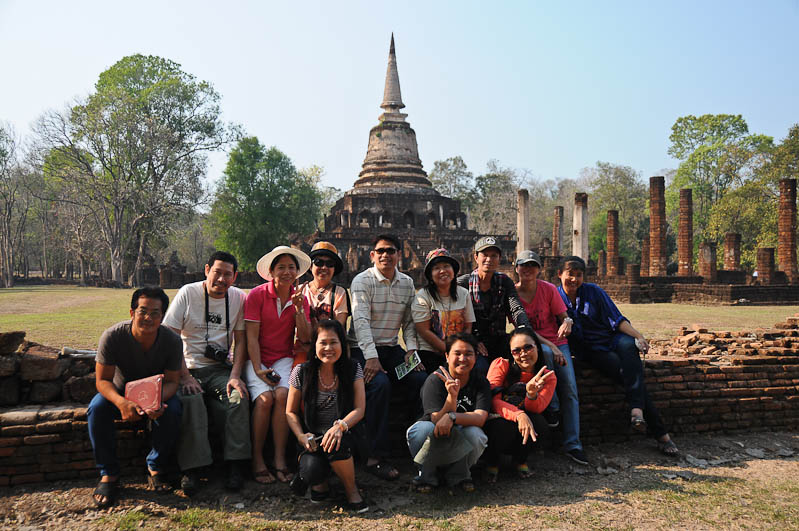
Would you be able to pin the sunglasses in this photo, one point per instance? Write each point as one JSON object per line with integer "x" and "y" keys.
{"x": 318, "y": 262}
{"x": 386, "y": 250}
{"x": 528, "y": 348}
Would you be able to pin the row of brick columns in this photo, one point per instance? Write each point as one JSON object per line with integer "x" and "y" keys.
{"x": 653, "y": 246}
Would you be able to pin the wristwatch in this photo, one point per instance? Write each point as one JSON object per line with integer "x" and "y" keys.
{"x": 452, "y": 416}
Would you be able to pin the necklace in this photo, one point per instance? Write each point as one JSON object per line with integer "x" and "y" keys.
{"x": 321, "y": 293}
{"x": 329, "y": 387}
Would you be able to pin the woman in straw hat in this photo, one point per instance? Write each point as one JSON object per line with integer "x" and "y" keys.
{"x": 273, "y": 312}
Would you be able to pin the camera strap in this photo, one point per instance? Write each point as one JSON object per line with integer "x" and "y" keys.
{"x": 227, "y": 318}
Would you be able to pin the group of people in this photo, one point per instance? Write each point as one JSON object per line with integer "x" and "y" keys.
{"x": 472, "y": 389}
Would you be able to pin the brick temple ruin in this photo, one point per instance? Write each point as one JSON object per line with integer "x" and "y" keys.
{"x": 393, "y": 195}
{"x": 649, "y": 280}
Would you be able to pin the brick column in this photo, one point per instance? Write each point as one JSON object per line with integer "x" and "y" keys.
{"x": 580, "y": 226}
{"x": 557, "y": 231}
{"x": 522, "y": 221}
{"x": 633, "y": 273}
{"x": 765, "y": 265}
{"x": 645, "y": 256}
{"x": 657, "y": 227}
{"x": 732, "y": 251}
{"x": 707, "y": 261}
{"x": 613, "y": 242}
{"x": 685, "y": 235}
{"x": 601, "y": 263}
{"x": 621, "y": 263}
{"x": 786, "y": 230}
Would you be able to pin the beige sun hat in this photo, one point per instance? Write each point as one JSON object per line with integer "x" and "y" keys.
{"x": 266, "y": 260}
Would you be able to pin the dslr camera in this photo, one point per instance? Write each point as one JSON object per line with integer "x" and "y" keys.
{"x": 216, "y": 353}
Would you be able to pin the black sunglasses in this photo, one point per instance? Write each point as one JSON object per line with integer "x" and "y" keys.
{"x": 387, "y": 250}
{"x": 318, "y": 262}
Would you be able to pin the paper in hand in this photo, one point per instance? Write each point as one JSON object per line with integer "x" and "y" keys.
{"x": 404, "y": 368}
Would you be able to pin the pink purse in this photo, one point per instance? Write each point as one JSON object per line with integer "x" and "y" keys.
{"x": 146, "y": 393}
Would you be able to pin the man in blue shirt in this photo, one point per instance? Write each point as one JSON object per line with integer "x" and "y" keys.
{"x": 604, "y": 338}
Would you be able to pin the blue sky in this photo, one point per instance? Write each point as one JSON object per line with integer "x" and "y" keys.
{"x": 551, "y": 87}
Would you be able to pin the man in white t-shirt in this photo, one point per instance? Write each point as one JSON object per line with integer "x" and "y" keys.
{"x": 209, "y": 316}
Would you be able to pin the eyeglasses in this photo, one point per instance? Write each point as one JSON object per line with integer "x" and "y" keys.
{"x": 318, "y": 262}
{"x": 155, "y": 314}
{"x": 387, "y": 250}
{"x": 528, "y": 348}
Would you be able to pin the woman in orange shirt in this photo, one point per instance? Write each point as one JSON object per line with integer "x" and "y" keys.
{"x": 522, "y": 389}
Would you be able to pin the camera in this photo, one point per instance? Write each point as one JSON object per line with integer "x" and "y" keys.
{"x": 216, "y": 353}
{"x": 273, "y": 377}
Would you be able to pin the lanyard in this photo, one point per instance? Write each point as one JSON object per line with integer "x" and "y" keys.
{"x": 227, "y": 318}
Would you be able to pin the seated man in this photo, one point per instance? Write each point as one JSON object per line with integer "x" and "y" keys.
{"x": 208, "y": 315}
{"x": 128, "y": 351}
{"x": 381, "y": 305}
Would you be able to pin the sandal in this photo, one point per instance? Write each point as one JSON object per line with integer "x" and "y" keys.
{"x": 490, "y": 474}
{"x": 638, "y": 423}
{"x": 383, "y": 471}
{"x": 264, "y": 477}
{"x": 668, "y": 448}
{"x": 467, "y": 486}
{"x": 284, "y": 475}
{"x": 108, "y": 490}
{"x": 156, "y": 482}
{"x": 523, "y": 471}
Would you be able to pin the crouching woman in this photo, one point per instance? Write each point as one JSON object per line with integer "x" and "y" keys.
{"x": 456, "y": 402}
{"x": 523, "y": 388}
{"x": 326, "y": 400}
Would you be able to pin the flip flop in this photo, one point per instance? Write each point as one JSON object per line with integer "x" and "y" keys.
{"x": 523, "y": 471}
{"x": 638, "y": 423}
{"x": 383, "y": 471}
{"x": 107, "y": 489}
{"x": 490, "y": 474}
{"x": 157, "y": 483}
{"x": 284, "y": 475}
{"x": 264, "y": 477}
{"x": 668, "y": 448}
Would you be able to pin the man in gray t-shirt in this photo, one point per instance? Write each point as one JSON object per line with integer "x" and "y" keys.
{"x": 129, "y": 351}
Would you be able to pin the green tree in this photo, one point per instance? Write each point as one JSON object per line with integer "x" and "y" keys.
{"x": 717, "y": 153}
{"x": 13, "y": 204}
{"x": 492, "y": 200}
{"x": 616, "y": 187}
{"x": 136, "y": 150}
{"x": 452, "y": 179}
{"x": 261, "y": 200}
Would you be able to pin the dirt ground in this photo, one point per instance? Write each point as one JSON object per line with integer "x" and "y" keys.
{"x": 722, "y": 481}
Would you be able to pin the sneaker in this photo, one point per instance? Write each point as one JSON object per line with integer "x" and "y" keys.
{"x": 578, "y": 456}
{"x": 189, "y": 482}
{"x": 235, "y": 478}
{"x": 552, "y": 418}
{"x": 319, "y": 496}
{"x": 357, "y": 507}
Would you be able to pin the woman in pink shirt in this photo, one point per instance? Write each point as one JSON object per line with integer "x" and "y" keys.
{"x": 522, "y": 389}
{"x": 273, "y": 312}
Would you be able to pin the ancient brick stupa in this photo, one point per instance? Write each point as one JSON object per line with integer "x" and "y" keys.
{"x": 393, "y": 195}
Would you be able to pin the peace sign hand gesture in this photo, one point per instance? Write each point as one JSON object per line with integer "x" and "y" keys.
{"x": 537, "y": 382}
{"x": 452, "y": 385}
{"x": 298, "y": 298}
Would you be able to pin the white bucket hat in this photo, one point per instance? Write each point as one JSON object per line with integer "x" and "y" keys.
{"x": 266, "y": 260}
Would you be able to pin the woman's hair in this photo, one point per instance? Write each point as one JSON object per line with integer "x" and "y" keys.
{"x": 343, "y": 368}
{"x": 575, "y": 261}
{"x": 432, "y": 289}
{"x": 278, "y": 257}
{"x": 514, "y": 371}
{"x": 460, "y": 336}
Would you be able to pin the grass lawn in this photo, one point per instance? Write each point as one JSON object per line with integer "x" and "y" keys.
{"x": 75, "y": 317}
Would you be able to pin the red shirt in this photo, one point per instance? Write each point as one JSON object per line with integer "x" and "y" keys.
{"x": 497, "y": 373}
{"x": 543, "y": 309}
{"x": 276, "y": 335}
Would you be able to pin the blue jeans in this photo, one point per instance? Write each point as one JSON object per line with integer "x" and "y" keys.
{"x": 622, "y": 364}
{"x": 457, "y": 471}
{"x": 565, "y": 398}
{"x": 101, "y": 416}
{"x": 378, "y": 396}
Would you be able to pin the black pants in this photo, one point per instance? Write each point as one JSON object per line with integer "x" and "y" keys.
{"x": 504, "y": 438}
{"x": 314, "y": 467}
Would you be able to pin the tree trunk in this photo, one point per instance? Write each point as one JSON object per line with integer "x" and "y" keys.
{"x": 116, "y": 266}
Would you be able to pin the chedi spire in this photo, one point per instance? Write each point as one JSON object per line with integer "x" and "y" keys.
{"x": 392, "y": 158}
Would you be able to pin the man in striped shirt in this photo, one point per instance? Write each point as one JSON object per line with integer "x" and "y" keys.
{"x": 381, "y": 305}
